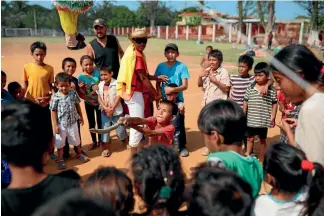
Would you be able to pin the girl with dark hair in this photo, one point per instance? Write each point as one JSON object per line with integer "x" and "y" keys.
{"x": 114, "y": 186}
{"x": 309, "y": 131}
{"x": 297, "y": 184}
{"x": 159, "y": 180}
{"x": 88, "y": 91}
{"x": 217, "y": 192}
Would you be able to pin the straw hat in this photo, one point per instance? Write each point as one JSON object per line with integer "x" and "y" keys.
{"x": 138, "y": 33}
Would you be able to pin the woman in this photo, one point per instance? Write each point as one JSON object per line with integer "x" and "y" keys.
{"x": 133, "y": 82}
{"x": 309, "y": 131}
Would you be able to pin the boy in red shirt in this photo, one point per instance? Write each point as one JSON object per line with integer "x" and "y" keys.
{"x": 159, "y": 127}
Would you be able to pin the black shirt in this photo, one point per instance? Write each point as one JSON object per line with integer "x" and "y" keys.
{"x": 24, "y": 201}
{"x": 107, "y": 56}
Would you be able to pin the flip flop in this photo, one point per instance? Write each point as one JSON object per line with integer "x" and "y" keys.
{"x": 106, "y": 153}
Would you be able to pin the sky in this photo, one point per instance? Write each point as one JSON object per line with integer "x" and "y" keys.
{"x": 285, "y": 10}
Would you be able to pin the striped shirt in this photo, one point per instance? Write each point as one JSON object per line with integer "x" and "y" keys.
{"x": 259, "y": 106}
{"x": 239, "y": 85}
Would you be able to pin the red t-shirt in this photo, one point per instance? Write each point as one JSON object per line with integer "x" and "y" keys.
{"x": 139, "y": 66}
{"x": 287, "y": 105}
{"x": 168, "y": 131}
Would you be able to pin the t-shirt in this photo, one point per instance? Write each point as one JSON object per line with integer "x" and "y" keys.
{"x": 139, "y": 67}
{"x": 6, "y": 96}
{"x": 238, "y": 87}
{"x": 267, "y": 205}
{"x": 168, "y": 131}
{"x": 310, "y": 128}
{"x": 65, "y": 106}
{"x": 40, "y": 79}
{"x": 91, "y": 97}
{"x": 259, "y": 106}
{"x": 176, "y": 73}
{"x": 24, "y": 201}
{"x": 249, "y": 168}
{"x": 212, "y": 91}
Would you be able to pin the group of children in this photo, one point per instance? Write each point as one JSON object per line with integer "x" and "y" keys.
{"x": 227, "y": 184}
{"x": 104, "y": 108}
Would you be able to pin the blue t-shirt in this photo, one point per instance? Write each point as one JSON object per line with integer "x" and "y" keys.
{"x": 176, "y": 74}
{"x": 5, "y": 96}
{"x": 89, "y": 81}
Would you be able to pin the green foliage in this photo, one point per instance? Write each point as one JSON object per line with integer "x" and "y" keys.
{"x": 190, "y": 9}
{"x": 193, "y": 20}
{"x": 121, "y": 17}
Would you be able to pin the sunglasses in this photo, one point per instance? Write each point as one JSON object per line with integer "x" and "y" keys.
{"x": 140, "y": 40}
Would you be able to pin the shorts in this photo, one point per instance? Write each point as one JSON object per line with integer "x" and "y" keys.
{"x": 262, "y": 133}
{"x": 71, "y": 133}
{"x": 109, "y": 121}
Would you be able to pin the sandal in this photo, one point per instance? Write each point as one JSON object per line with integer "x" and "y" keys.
{"x": 92, "y": 146}
{"x": 61, "y": 165}
{"x": 106, "y": 153}
{"x": 83, "y": 158}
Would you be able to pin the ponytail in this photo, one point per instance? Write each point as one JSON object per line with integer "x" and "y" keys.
{"x": 316, "y": 189}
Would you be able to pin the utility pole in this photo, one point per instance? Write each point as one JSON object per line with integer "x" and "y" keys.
{"x": 35, "y": 22}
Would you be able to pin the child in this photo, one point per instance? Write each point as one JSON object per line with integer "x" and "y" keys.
{"x": 16, "y": 91}
{"x": 304, "y": 65}
{"x": 5, "y": 95}
{"x": 159, "y": 180}
{"x": 215, "y": 82}
{"x": 111, "y": 109}
{"x": 297, "y": 184}
{"x": 114, "y": 186}
{"x": 240, "y": 82}
{"x": 180, "y": 139}
{"x": 65, "y": 112}
{"x": 88, "y": 83}
{"x": 69, "y": 67}
{"x": 204, "y": 63}
{"x": 26, "y": 135}
{"x": 261, "y": 109}
{"x": 215, "y": 79}
{"x": 38, "y": 76}
{"x": 176, "y": 71}
{"x": 160, "y": 130}
{"x": 75, "y": 202}
{"x": 217, "y": 192}
{"x": 223, "y": 125}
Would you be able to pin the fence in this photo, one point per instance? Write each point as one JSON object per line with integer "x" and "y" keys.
{"x": 213, "y": 32}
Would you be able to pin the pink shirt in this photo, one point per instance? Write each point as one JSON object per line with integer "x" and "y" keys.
{"x": 168, "y": 132}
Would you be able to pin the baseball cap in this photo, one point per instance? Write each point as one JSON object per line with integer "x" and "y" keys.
{"x": 171, "y": 46}
{"x": 99, "y": 22}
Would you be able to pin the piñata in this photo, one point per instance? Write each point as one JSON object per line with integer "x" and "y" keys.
{"x": 68, "y": 13}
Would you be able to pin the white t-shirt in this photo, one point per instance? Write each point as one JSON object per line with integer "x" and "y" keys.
{"x": 266, "y": 205}
{"x": 310, "y": 128}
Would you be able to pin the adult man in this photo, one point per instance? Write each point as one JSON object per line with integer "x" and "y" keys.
{"x": 105, "y": 49}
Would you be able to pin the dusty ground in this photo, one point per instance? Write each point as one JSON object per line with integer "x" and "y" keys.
{"x": 15, "y": 53}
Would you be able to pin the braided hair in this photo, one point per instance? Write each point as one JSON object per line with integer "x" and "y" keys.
{"x": 159, "y": 179}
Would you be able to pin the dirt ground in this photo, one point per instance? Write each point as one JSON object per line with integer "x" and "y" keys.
{"x": 15, "y": 55}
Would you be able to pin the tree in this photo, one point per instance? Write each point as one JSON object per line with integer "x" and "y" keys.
{"x": 190, "y": 9}
{"x": 314, "y": 9}
{"x": 150, "y": 9}
{"x": 241, "y": 17}
{"x": 266, "y": 11}
{"x": 122, "y": 17}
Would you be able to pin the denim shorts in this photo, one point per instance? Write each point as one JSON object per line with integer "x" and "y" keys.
{"x": 109, "y": 121}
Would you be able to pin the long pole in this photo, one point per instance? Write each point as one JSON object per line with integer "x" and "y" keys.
{"x": 35, "y": 22}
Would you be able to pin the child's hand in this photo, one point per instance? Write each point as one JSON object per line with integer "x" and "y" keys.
{"x": 125, "y": 121}
{"x": 81, "y": 84}
{"x": 95, "y": 88}
{"x": 204, "y": 73}
{"x": 292, "y": 122}
{"x": 212, "y": 78}
{"x": 264, "y": 90}
{"x": 57, "y": 130}
{"x": 162, "y": 78}
{"x": 168, "y": 90}
{"x": 81, "y": 121}
{"x": 273, "y": 122}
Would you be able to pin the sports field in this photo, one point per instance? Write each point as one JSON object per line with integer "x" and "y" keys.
{"x": 15, "y": 53}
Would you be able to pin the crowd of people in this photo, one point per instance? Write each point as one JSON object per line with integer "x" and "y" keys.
{"x": 45, "y": 115}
